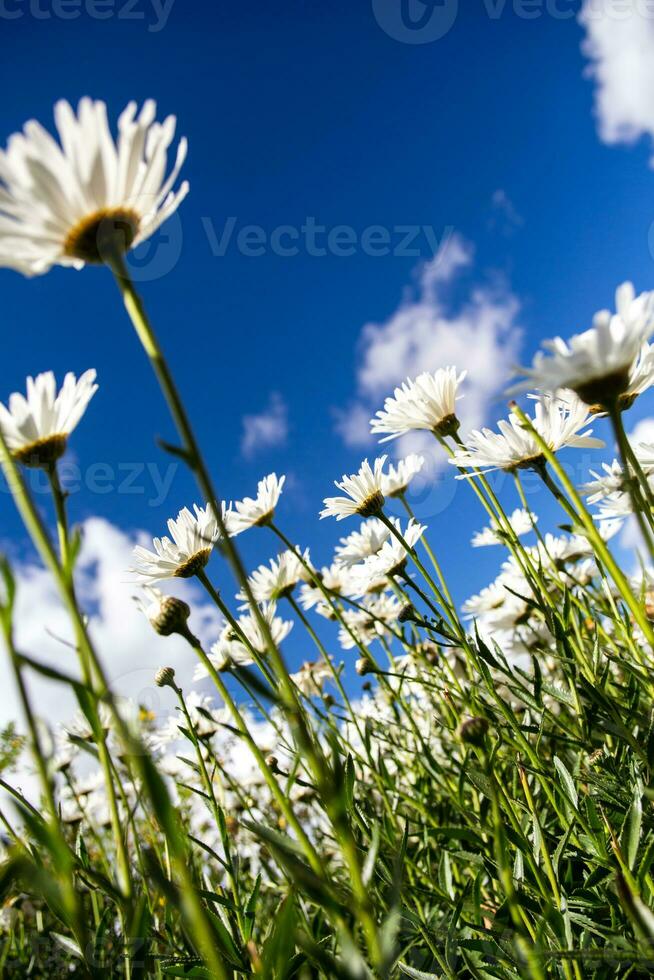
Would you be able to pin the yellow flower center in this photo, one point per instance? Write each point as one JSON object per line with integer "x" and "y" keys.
{"x": 194, "y": 564}
{"x": 99, "y": 235}
{"x": 42, "y": 453}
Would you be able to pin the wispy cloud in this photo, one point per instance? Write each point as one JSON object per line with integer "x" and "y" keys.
{"x": 504, "y": 214}
{"x": 619, "y": 44}
{"x": 266, "y": 429}
{"x": 479, "y": 333}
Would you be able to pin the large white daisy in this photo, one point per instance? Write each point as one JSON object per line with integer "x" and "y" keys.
{"x": 364, "y": 493}
{"x": 600, "y": 363}
{"x": 557, "y": 421}
{"x": 88, "y": 195}
{"x": 185, "y": 552}
{"x": 426, "y": 402}
{"x": 257, "y": 511}
{"x": 362, "y": 543}
{"x": 398, "y": 478}
{"x": 36, "y": 427}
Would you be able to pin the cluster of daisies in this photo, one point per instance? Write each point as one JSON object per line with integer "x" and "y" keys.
{"x": 90, "y": 197}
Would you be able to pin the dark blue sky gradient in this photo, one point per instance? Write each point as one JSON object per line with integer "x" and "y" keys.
{"x": 296, "y": 109}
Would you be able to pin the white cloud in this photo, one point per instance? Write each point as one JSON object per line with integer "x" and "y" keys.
{"x": 479, "y": 333}
{"x": 267, "y": 429}
{"x": 619, "y": 43}
{"x": 643, "y": 431}
{"x": 129, "y": 649}
{"x": 505, "y": 216}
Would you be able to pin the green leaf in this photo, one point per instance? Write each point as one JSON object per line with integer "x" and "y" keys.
{"x": 68, "y": 944}
{"x": 417, "y": 974}
{"x": 631, "y": 828}
{"x": 568, "y": 783}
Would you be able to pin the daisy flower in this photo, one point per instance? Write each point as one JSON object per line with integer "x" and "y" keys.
{"x": 279, "y": 578}
{"x": 359, "y": 628}
{"x": 522, "y": 522}
{"x": 386, "y": 610}
{"x": 336, "y": 579}
{"x": 259, "y": 511}
{"x": 362, "y": 543}
{"x": 641, "y": 376}
{"x": 617, "y": 506}
{"x": 364, "y": 493}
{"x": 503, "y": 604}
{"x": 603, "y": 485}
{"x": 392, "y": 557}
{"x": 185, "y": 552}
{"x": 597, "y": 364}
{"x": 426, "y": 402}
{"x": 87, "y": 196}
{"x": 557, "y": 421}
{"x": 398, "y": 478}
{"x": 36, "y": 428}
{"x": 311, "y": 677}
{"x": 231, "y": 649}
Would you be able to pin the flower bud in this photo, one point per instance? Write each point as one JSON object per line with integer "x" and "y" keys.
{"x": 408, "y": 614}
{"x": 363, "y": 666}
{"x": 172, "y": 616}
{"x": 165, "y": 677}
{"x": 473, "y": 731}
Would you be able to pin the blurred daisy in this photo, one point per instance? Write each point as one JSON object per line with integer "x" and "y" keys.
{"x": 36, "y": 427}
{"x": 616, "y": 506}
{"x": 557, "y": 421}
{"x": 385, "y": 609}
{"x": 80, "y": 727}
{"x": 641, "y": 376}
{"x": 257, "y": 511}
{"x": 232, "y": 649}
{"x": 604, "y": 484}
{"x": 336, "y": 579}
{"x": 503, "y": 604}
{"x": 362, "y": 543}
{"x": 279, "y": 578}
{"x": 367, "y": 579}
{"x": 521, "y": 521}
{"x": 392, "y": 557}
{"x": 185, "y": 552}
{"x": 398, "y": 478}
{"x": 359, "y": 628}
{"x": 87, "y": 196}
{"x": 597, "y": 364}
{"x": 427, "y": 402}
{"x": 311, "y": 677}
{"x": 364, "y": 493}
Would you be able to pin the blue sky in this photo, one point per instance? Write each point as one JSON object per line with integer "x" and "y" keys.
{"x": 301, "y": 111}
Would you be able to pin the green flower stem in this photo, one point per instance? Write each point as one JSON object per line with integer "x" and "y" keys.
{"x": 637, "y": 486}
{"x": 197, "y": 919}
{"x": 195, "y": 460}
{"x": 549, "y": 868}
{"x": 66, "y": 567}
{"x": 71, "y": 898}
{"x": 234, "y": 623}
{"x": 191, "y": 449}
{"x": 432, "y": 557}
{"x": 215, "y": 809}
{"x": 497, "y": 514}
{"x": 574, "y": 507}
